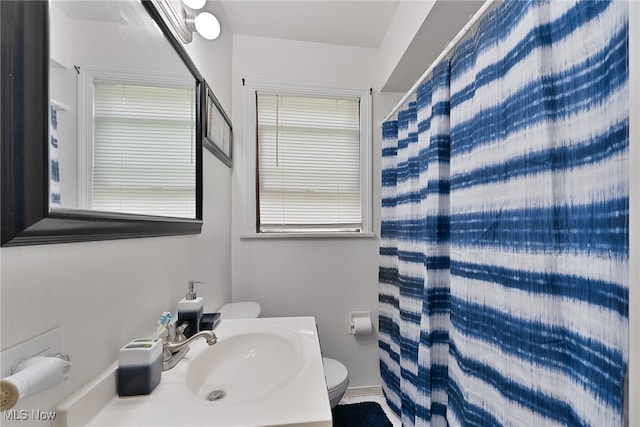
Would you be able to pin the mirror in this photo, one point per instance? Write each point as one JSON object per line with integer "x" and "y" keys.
{"x": 217, "y": 133}
{"x": 101, "y": 124}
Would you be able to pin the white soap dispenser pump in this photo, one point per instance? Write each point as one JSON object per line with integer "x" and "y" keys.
{"x": 190, "y": 310}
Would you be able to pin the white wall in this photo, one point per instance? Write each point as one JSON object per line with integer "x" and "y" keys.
{"x": 214, "y": 57}
{"x": 406, "y": 22}
{"x": 103, "y": 294}
{"x": 325, "y": 278}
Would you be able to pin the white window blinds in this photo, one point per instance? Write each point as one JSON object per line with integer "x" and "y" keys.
{"x": 308, "y": 151}
{"x": 144, "y": 150}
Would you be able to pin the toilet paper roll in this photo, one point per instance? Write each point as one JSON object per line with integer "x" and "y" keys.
{"x": 32, "y": 376}
{"x": 361, "y": 326}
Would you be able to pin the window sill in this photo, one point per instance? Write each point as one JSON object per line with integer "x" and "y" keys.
{"x": 308, "y": 235}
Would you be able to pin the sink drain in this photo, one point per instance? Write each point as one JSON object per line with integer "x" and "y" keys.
{"x": 216, "y": 395}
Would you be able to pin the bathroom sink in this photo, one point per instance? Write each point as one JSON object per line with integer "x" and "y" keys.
{"x": 245, "y": 367}
{"x": 262, "y": 372}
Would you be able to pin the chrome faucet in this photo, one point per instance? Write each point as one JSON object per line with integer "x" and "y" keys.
{"x": 173, "y": 352}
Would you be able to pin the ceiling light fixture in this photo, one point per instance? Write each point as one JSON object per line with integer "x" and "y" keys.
{"x": 205, "y": 24}
{"x": 184, "y": 20}
{"x": 194, "y": 4}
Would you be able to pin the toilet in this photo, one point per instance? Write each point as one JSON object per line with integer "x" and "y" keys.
{"x": 240, "y": 310}
{"x": 335, "y": 372}
{"x": 337, "y": 378}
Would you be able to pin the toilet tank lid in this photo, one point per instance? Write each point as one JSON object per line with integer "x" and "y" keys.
{"x": 240, "y": 310}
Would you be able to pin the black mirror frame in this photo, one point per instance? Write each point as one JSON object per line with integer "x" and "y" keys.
{"x": 27, "y": 218}
{"x": 210, "y": 101}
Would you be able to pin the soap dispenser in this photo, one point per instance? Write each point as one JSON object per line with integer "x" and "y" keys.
{"x": 190, "y": 310}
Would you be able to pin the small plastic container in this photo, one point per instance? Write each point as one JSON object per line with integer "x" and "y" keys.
{"x": 139, "y": 367}
{"x": 208, "y": 321}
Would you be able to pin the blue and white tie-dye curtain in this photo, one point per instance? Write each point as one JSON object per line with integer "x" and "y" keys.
{"x": 54, "y": 166}
{"x": 533, "y": 281}
{"x": 414, "y": 270}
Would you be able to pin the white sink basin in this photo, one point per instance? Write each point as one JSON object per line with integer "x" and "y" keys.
{"x": 246, "y": 367}
{"x": 269, "y": 371}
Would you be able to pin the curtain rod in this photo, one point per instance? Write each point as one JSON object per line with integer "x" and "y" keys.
{"x": 487, "y": 4}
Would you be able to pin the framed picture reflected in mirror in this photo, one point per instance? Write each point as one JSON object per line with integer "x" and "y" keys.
{"x": 218, "y": 132}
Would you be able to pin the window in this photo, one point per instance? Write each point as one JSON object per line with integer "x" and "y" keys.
{"x": 312, "y": 159}
{"x": 143, "y": 147}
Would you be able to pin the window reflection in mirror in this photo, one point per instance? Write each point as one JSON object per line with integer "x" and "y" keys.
{"x": 123, "y": 113}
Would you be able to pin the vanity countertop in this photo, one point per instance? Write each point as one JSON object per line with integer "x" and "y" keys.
{"x": 261, "y": 391}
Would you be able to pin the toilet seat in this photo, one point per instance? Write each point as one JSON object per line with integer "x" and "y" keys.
{"x": 336, "y": 374}
{"x": 240, "y": 310}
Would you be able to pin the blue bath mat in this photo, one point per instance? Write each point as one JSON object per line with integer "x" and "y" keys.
{"x": 363, "y": 414}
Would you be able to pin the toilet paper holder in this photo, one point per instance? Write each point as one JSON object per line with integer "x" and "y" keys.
{"x": 360, "y": 323}
{"x": 39, "y": 362}
{"x": 31, "y": 376}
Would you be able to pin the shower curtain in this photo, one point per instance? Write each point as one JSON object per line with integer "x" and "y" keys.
{"x": 54, "y": 166}
{"x": 504, "y": 261}
{"x": 414, "y": 251}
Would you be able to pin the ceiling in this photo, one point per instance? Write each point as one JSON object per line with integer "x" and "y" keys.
{"x": 443, "y": 23}
{"x": 360, "y": 23}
